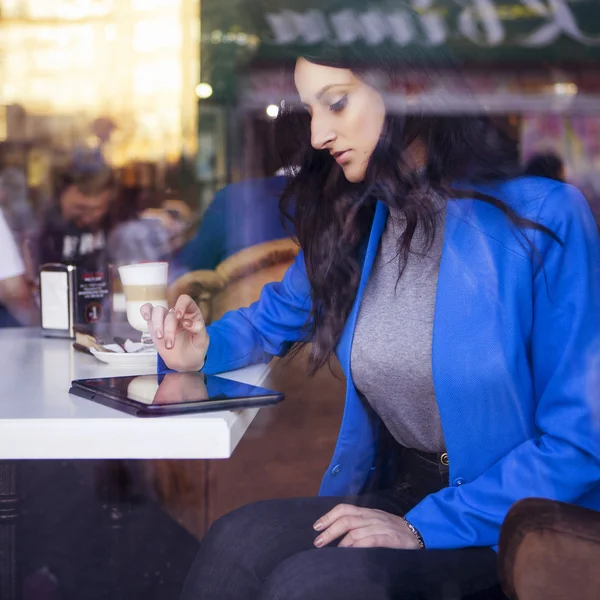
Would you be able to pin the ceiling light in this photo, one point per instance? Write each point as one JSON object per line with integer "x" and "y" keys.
{"x": 272, "y": 111}
{"x": 204, "y": 90}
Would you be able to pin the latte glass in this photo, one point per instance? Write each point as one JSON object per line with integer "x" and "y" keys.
{"x": 142, "y": 283}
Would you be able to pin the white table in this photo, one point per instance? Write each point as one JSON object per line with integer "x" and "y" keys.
{"x": 39, "y": 419}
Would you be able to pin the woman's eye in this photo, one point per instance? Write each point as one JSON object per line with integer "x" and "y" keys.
{"x": 340, "y": 104}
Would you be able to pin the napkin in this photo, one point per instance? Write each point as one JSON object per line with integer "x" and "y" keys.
{"x": 85, "y": 341}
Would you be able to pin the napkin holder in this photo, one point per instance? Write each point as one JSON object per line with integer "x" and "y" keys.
{"x": 58, "y": 300}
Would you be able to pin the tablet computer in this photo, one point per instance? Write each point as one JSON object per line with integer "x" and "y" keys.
{"x": 172, "y": 394}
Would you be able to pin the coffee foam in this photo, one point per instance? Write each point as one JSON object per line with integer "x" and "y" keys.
{"x": 145, "y": 274}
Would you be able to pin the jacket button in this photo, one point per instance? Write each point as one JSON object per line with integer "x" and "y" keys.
{"x": 459, "y": 481}
{"x": 336, "y": 469}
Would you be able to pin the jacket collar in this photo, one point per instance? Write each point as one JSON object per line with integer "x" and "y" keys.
{"x": 457, "y": 212}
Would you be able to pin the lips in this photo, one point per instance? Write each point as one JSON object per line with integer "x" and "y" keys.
{"x": 341, "y": 157}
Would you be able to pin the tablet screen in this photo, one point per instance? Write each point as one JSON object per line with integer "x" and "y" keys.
{"x": 175, "y": 388}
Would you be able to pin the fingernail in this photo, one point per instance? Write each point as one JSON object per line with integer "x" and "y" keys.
{"x": 319, "y": 542}
{"x": 159, "y": 334}
{"x": 178, "y": 315}
{"x": 187, "y": 323}
{"x": 168, "y": 344}
{"x": 318, "y": 526}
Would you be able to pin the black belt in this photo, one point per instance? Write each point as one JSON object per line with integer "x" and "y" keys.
{"x": 440, "y": 458}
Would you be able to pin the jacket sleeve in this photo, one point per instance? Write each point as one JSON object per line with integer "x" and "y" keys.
{"x": 265, "y": 329}
{"x": 563, "y": 461}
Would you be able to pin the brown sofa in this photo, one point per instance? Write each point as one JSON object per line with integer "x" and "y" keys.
{"x": 550, "y": 551}
{"x": 238, "y": 280}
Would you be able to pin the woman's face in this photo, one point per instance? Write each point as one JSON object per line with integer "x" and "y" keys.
{"x": 346, "y": 115}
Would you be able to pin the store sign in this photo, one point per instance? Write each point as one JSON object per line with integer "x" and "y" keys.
{"x": 516, "y": 32}
{"x": 488, "y": 23}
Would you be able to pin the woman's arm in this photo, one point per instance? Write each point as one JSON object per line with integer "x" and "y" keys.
{"x": 563, "y": 462}
{"x": 265, "y": 329}
{"x": 15, "y": 293}
{"x": 16, "y": 296}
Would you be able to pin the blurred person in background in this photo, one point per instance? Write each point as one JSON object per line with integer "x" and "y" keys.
{"x": 551, "y": 166}
{"x": 240, "y": 215}
{"x": 75, "y": 229}
{"x": 94, "y": 222}
{"x": 17, "y": 306}
{"x": 146, "y": 237}
{"x": 14, "y": 201}
{"x": 547, "y": 165}
{"x": 243, "y": 214}
{"x": 461, "y": 300}
{"x": 155, "y": 230}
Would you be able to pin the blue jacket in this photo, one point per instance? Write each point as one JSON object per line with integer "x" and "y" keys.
{"x": 516, "y": 361}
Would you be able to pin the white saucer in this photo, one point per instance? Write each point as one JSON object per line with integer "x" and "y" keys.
{"x": 127, "y": 359}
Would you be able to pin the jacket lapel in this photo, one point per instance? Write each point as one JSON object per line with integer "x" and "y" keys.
{"x": 451, "y": 271}
{"x": 345, "y": 345}
{"x": 456, "y": 320}
{"x": 448, "y": 332}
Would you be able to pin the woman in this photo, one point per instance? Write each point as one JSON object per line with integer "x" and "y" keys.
{"x": 17, "y": 306}
{"x": 463, "y": 307}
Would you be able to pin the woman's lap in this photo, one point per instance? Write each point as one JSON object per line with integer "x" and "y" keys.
{"x": 381, "y": 574}
{"x": 265, "y": 550}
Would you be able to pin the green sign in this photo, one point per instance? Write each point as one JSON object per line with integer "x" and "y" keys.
{"x": 238, "y": 32}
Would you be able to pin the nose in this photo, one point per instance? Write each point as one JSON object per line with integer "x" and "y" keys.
{"x": 321, "y": 133}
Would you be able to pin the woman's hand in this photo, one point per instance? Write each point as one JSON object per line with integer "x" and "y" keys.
{"x": 179, "y": 334}
{"x": 364, "y": 528}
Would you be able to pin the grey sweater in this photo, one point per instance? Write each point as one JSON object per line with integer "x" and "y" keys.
{"x": 391, "y": 350}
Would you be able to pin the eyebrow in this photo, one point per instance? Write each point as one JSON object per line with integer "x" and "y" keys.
{"x": 325, "y": 89}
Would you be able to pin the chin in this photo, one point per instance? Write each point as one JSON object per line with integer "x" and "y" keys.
{"x": 354, "y": 175}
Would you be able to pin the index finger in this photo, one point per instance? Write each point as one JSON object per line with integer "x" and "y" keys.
{"x": 341, "y": 510}
{"x": 185, "y": 307}
{"x": 146, "y": 311}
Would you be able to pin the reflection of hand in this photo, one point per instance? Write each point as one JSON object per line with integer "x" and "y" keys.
{"x": 179, "y": 334}
{"x": 143, "y": 388}
{"x": 178, "y": 387}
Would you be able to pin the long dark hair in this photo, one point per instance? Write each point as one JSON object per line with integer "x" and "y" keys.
{"x": 332, "y": 217}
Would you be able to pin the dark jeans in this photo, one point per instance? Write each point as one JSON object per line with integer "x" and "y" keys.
{"x": 265, "y": 551}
